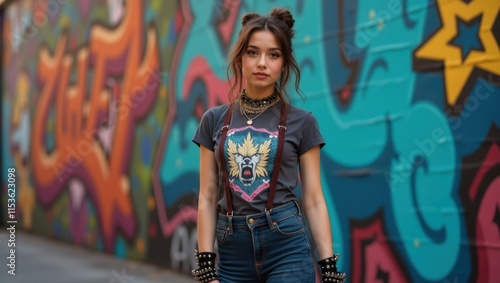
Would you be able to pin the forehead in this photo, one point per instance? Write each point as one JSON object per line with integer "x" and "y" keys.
{"x": 263, "y": 39}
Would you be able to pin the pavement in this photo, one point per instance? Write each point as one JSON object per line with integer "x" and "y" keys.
{"x": 42, "y": 260}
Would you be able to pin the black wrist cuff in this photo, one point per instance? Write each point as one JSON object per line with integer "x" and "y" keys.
{"x": 329, "y": 272}
{"x": 206, "y": 270}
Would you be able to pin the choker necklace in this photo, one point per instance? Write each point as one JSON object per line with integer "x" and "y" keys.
{"x": 257, "y": 106}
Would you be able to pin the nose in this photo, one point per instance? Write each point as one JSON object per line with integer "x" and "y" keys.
{"x": 262, "y": 61}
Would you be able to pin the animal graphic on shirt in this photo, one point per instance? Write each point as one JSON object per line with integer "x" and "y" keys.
{"x": 247, "y": 161}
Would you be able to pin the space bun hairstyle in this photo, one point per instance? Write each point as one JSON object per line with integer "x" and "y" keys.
{"x": 248, "y": 17}
{"x": 286, "y": 17}
{"x": 279, "y": 22}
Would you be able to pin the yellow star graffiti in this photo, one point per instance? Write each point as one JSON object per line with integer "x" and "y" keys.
{"x": 439, "y": 48}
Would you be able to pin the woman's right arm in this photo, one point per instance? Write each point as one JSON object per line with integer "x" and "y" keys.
{"x": 207, "y": 200}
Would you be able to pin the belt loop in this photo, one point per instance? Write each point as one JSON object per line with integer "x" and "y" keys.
{"x": 298, "y": 207}
{"x": 230, "y": 223}
{"x": 269, "y": 220}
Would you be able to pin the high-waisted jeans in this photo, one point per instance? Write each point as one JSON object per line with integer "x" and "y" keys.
{"x": 270, "y": 247}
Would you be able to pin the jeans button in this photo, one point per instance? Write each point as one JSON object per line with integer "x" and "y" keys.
{"x": 251, "y": 221}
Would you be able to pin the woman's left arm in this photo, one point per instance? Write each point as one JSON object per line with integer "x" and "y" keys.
{"x": 314, "y": 203}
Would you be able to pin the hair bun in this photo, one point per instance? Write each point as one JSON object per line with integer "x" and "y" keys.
{"x": 283, "y": 15}
{"x": 248, "y": 17}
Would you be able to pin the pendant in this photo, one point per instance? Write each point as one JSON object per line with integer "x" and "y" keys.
{"x": 249, "y": 122}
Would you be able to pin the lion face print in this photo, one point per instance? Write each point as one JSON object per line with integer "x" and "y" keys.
{"x": 246, "y": 166}
{"x": 250, "y": 155}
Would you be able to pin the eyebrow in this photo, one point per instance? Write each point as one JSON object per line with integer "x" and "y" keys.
{"x": 270, "y": 49}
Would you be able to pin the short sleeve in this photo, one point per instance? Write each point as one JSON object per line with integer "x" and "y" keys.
{"x": 204, "y": 132}
{"x": 311, "y": 135}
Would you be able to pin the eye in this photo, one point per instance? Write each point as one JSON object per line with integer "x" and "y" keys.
{"x": 251, "y": 52}
{"x": 274, "y": 55}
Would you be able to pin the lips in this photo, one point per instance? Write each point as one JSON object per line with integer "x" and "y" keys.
{"x": 261, "y": 75}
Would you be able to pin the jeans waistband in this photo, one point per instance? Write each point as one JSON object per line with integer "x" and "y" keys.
{"x": 261, "y": 218}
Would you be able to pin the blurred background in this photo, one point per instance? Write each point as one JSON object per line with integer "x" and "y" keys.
{"x": 100, "y": 100}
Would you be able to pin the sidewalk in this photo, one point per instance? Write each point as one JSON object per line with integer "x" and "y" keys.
{"x": 41, "y": 260}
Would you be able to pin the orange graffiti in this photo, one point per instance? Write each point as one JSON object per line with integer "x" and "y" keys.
{"x": 80, "y": 114}
{"x": 20, "y": 108}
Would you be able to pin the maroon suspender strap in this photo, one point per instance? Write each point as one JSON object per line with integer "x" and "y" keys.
{"x": 222, "y": 158}
{"x": 277, "y": 161}
{"x": 279, "y": 154}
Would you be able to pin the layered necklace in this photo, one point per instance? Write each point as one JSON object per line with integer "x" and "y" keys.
{"x": 256, "y": 106}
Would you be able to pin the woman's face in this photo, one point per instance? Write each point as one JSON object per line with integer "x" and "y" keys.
{"x": 262, "y": 64}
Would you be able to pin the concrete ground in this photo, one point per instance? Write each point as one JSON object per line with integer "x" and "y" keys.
{"x": 41, "y": 260}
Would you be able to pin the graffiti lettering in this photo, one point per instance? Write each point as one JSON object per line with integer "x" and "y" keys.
{"x": 182, "y": 247}
{"x": 78, "y": 151}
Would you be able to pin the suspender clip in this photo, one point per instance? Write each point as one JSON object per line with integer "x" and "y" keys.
{"x": 224, "y": 127}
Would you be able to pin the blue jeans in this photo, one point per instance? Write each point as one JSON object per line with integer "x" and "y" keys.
{"x": 270, "y": 247}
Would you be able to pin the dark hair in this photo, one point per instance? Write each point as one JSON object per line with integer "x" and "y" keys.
{"x": 280, "y": 23}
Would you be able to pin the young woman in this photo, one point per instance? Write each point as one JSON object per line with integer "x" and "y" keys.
{"x": 250, "y": 150}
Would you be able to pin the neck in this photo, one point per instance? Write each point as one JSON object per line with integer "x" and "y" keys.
{"x": 256, "y": 93}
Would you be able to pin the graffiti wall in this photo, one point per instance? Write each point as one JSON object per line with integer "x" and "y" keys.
{"x": 100, "y": 100}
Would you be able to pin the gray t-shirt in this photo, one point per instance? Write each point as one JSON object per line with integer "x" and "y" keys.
{"x": 250, "y": 151}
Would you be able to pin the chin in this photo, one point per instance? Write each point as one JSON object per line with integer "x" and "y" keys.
{"x": 261, "y": 85}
